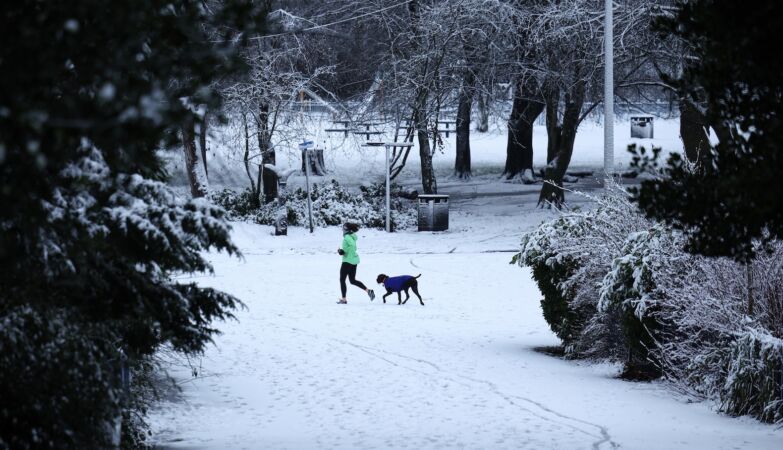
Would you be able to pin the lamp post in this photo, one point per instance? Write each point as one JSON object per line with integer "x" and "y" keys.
{"x": 608, "y": 93}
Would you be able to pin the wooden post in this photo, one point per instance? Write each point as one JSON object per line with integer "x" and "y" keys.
{"x": 307, "y": 183}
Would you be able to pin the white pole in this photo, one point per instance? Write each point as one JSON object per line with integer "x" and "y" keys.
{"x": 388, "y": 195}
{"x": 307, "y": 183}
{"x": 608, "y": 92}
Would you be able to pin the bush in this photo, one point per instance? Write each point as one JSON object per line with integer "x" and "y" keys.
{"x": 331, "y": 203}
{"x": 629, "y": 288}
{"x": 565, "y": 320}
{"x": 551, "y": 273}
{"x": 238, "y": 205}
{"x": 719, "y": 348}
{"x": 754, "y": 377}
{"x": 570, "y": 256}
{"x": 622, "y": 288}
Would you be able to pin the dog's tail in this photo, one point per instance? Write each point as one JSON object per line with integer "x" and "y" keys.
{"x": 417, "y": 276}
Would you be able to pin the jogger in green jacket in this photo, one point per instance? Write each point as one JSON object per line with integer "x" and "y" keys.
{"x": 350, "y": 261}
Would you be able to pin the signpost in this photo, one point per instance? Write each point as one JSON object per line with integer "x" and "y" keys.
{"x": 307, "y": 146}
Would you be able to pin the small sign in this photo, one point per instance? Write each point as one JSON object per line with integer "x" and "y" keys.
{"x": 306, "y": 145}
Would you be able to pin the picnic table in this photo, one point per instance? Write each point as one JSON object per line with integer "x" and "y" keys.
{"x": 368, "y": 133}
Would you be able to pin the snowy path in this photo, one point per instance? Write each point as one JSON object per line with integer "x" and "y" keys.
{"x": 298, "y": 371}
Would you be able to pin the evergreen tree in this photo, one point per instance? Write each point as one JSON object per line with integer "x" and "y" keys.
{"x": 89, "y": 91}
{"x": 731, "y": 200}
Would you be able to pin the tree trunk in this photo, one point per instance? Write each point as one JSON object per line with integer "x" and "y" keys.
{"x": 255, "y": 184}
{"x": 267, "y": 154}
{"x": 553, "y": 126}
{"x": 462, "y": 162}
{"x": 565, "y": 134}
{"x": 419, "y": 116}
{"x": 202, "y": 140}
{"x": 428, "y": 183}
{"x": 482, "y": 102}
{"x": 693, "y": 131}
{"x": 525, "y": 109}
{"x": 197, "y": 188}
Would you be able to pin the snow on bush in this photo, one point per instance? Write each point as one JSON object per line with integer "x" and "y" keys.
{"x": 727, "y": 325}
{"x": 570, "y": 257}
{"x": 620, "y": 287}
{"x": 331, "y": 203}
{"x": 630, "y": 290}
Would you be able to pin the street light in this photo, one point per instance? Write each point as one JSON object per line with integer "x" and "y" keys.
{"x": 608, "y": 93}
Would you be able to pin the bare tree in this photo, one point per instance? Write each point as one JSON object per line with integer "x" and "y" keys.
{"x": 484, "y": 43}
{"x": 569, "y": 34}
{"x": 278, "y": 74}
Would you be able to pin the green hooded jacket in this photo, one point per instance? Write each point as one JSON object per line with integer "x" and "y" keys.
{"x": 349, "y": 247}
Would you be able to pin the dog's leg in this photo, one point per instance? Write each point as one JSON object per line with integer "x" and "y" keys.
{"x": 399, "y": 298}
{"x": 416, "y": 291}
{"x": 388, "y": 293}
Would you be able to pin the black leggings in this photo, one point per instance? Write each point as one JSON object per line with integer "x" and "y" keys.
{"x": 349, "y": 270}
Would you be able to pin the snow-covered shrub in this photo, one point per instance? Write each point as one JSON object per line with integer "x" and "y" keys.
{"x": 621, "y": 287}
{"x": 238, "y": 205}
{"x": 754, "y": 377}
{"x": 551, "y": 271}
{"x": 332, "y": 205}
{"x": 718, "y": 348}
{"x": 629, "y": 290}
{"x": 570, "y": 256}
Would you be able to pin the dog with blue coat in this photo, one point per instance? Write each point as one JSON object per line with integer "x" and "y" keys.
{"x": 399, "y": 284}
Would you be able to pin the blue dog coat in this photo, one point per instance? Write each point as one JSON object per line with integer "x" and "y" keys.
{"x": 396, "y": 284}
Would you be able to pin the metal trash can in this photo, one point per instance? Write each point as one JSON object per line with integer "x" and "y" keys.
{"x": 433, "y": 212}
{"x": 642, "y": 127}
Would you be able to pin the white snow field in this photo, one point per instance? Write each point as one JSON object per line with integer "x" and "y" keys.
{"x": 298, "y": 371}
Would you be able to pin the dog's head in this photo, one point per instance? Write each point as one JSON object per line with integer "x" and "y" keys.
{"x": 381, "y": 278}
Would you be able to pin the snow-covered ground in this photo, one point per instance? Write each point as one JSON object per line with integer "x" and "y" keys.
{"x": 298, "y": 371}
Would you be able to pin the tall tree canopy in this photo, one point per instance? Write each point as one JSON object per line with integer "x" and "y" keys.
{"x": 89, "y": 91}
